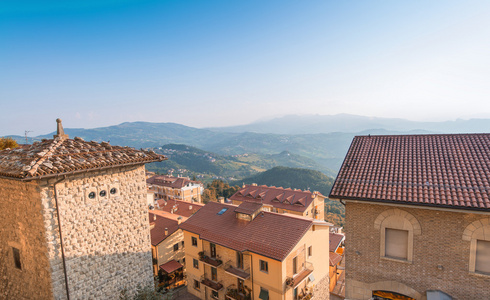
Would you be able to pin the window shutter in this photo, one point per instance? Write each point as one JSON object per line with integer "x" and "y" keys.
{"x": 482, "y": 264}
{"x": 396, "y": 243}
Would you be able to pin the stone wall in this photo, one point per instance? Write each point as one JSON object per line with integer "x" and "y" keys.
{"x": 21, "y": 226}
{"x": 105, "y": 230}
{"x": 440, "y": 259}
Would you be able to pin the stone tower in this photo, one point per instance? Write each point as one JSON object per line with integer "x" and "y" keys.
{"x": 73, "y": 220}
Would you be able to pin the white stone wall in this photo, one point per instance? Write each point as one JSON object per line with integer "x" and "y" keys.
{"x": 106, "y": 239}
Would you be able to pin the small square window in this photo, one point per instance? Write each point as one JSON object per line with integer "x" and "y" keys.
{"x": 176, "y": 247}
{"x": 197, "y": 285}
{"x": 16, "y": 252}
{"x": 214, "y": 295}
{"x": 195, "y": 263}
{"x": 264, "y": 266}
{"x": 194, "y": 241}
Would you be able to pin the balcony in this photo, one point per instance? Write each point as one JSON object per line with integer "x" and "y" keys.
{"x": 216, "y": 286}
{"x": 211, "y": 261}
{"x": 237, "y": 272}
{"x": 299, "y": 277}
{"x": 232, "y": 293}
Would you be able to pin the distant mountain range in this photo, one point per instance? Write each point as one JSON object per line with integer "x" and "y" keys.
{"x": 321, "y": 139}
{"x": 313, "y": 124}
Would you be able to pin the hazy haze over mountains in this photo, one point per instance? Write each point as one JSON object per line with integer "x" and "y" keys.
{"x": 311, "y": 124}
{"x": 324, "y": 139}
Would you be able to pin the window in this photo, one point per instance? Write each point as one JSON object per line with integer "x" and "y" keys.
{"x": 214, "y": 274}
{"x": 17, "y": 258}
{"x": 310, "y": 251}
{"x": 176, "y": 247}
{"x": 482, "y": 259}
{"x": 212, "y": 248}
{"x": 264, "y": 294}
{"x": 113, "y": 191}
{"x": 240, "y": 285}
{"x": 397, "y": 229}
{"x": 103, "y": 193}
{"x": 264, "y": 266}
{"x": 183, "y": 260}
{"x": 195, "y": 263}
{"x": 197, "y": 285}
{"x": 239, "y": 260}
{"x": 214, "y": 295}
{"x": 295, "y": 294}
{"x": 396, "y": 243}
{"x": 194, "y": 241}
{"x": 182, "y": 244}
{"x": 295, "y": 268}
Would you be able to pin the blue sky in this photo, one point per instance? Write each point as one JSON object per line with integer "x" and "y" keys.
{"x": 216, "y": 63}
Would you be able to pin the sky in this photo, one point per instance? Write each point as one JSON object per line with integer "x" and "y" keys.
{"x": 210, "y": 63}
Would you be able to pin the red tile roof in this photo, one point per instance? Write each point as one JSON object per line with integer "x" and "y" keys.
{"x": 169, "y": 181}
{"x": 269, "y": 234}
{"x": 179, "y": 207}
{"x": 334, "y": 258}
{"x": 171, "y": 266}
{"x": 450, "y": 170}
{"x": 335, "y": 239}
{"x": 160, "y": 222}
{"x": 52, "y": 157}
{"x": 294, "y": 200}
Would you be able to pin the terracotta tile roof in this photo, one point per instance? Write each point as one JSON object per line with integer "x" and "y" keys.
{"x": 335, "y": 239}
{"x": 334, "y": 258}
{"x": 171, "y": 266}
{"x": 62, "y": 155}
{"x": 248, "y": 208}
{"x": 179, "y": 207}
{"x": 169, "y": 181}
{"x": 450, "y": 171}
{"x": 161, "y": 220}
{"x": 294, "y": 200}
{"x": 269, "y": 234}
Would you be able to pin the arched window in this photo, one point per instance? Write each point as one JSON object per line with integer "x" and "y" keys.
{"x": 478, "y": 234}
{"x": 397, "y": 228}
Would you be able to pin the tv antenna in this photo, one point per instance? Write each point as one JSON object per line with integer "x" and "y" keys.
{"x": 26, "y": 132}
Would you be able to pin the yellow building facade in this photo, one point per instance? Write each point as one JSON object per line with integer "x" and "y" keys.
{"x": 298, "y": 268}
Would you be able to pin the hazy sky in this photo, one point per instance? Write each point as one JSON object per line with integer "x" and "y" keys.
{"x": 213, "y": 63}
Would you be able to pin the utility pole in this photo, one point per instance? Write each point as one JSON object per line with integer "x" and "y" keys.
{"x": 26, "y": 132}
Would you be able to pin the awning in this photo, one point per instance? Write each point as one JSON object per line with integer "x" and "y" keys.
{"x": 171, "y": 266}
{"x": 264, "y": 294}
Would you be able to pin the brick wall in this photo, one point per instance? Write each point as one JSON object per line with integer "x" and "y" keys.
{"x": 21, "y": 226}
{"x": 440, "y": 255}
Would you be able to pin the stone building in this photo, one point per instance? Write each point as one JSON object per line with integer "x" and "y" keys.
{"x": 417, "y": 213}
{"x": 241, "y": 252}
{"x": 73, "y": 220}
{"x": 175, "y": 188}
{"x": 280, "y": 200}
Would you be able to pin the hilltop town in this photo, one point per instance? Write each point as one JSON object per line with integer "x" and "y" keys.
{"x": 82, "y": 219}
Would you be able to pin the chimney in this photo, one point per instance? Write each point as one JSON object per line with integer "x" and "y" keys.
{"x": 179, "y": 220}
{"x": 60, "y": 132}
{"x": 221, "y": 199}
{"x": 166, "y": 231}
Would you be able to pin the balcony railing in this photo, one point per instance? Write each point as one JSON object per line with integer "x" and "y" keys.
{"x": 212, "y": 261}
{"x": 233, "y": 293}
{"x": 237, "y": 272}
{"x": 299, "y": 277}
{"x": 214, "y": 285}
